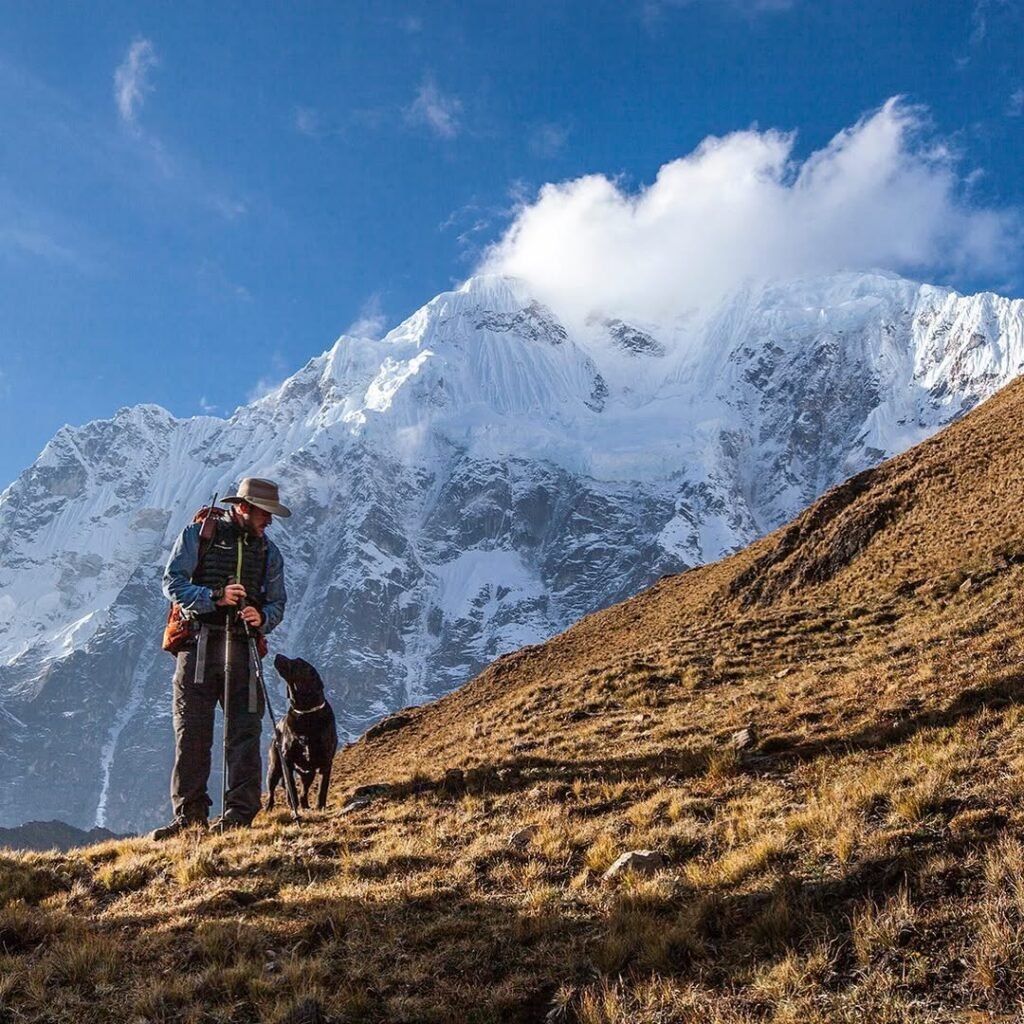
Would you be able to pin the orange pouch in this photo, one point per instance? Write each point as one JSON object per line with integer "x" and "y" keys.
{"x": 177, "y": 632}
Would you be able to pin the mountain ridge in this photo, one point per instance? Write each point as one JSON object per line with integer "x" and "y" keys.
{"x": 474, "y": 482}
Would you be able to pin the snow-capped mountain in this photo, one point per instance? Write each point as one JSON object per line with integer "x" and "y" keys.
{"x": 475, "y": 481}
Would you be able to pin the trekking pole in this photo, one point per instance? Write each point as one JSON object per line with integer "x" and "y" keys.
{"x": 228, "y": 623}
{"x": 227, "y": 699}
{"x": 286, "y": 772}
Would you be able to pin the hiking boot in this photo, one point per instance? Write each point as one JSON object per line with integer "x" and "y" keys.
{"x": 176, "y": 827}
{"x": 228, "y": 821}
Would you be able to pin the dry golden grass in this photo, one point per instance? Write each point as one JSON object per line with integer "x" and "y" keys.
{"x": 862, "y": 863}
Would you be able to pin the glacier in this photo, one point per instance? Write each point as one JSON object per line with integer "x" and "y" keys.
{"x": 475, "y": 481}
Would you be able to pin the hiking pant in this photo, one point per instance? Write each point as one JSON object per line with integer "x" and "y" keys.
{"x": 194, "y": 703}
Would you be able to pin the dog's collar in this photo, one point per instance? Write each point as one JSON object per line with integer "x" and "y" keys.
{"x": 309, "y": 711}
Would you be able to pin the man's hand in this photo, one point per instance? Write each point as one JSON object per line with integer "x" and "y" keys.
{"x": 252, "y": 616}
{"x": 234, "y": 595}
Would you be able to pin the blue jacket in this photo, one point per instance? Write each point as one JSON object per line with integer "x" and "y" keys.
{"x": 197, "y": 600}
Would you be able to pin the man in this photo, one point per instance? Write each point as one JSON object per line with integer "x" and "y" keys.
{"x": 239, "y": 579}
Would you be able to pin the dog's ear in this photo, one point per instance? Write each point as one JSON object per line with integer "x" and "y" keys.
{"x": 313, "y": 676}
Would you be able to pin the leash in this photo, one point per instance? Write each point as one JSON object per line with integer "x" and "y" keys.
{"x": 289, "y": 782}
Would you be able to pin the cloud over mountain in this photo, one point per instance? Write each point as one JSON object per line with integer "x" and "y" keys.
{"x": 883, "y": 193}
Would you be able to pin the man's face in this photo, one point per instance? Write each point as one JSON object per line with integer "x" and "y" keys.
{"x": 255, "y": 520}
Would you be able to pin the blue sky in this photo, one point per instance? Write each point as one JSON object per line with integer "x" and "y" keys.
{"x": 195, "y": 199}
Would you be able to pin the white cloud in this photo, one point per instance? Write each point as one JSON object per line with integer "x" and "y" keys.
{"x": 990, "y": 20}
{"x": 131, "y": 80}
{"x": 881, "y": 194}
{"x": 436, "y": 111}
{"x": 979, "y": 23}
{"x": 276, "y": 372}
{"x": 36, "y": 243}
{"x": 1015, "y": 108}
{"x": 467, "y": 236}
{"x": 472, "y": 226}
{"x": 32, "y": 232}
{"x": 307, "y": 122}
{"x": 311, "y": 122}
{"x": 207, "y": 408}
{"x": 264, "y": 386}
{"x": 548, "y": 140}
{"x": 228, "y": 207}
{"x": 371, "y": 320}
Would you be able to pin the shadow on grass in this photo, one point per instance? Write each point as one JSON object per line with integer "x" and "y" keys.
{"x": 241, "y": 955}
{"x": 1002, "y": 692}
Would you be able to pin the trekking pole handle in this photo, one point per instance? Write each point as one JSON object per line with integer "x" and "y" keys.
{"x": 233, "y": 609}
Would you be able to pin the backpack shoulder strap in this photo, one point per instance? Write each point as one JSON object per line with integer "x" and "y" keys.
{"x": 204, "y": 545}
{"x": 211, "y": 523}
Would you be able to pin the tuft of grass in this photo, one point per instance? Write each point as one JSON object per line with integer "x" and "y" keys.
{"x": 23, "y": 928}
{"x": 164, "y": 999}
{"x": 878, "y": 930}
{"x": 197, "y": 863}
{"x": 738, "y": 864}
{"x": 127, "y": 875}
{"x": 601, "y": 854}
{"x": 82, "y": 960}
{"x": 795, "y": 973}
{"x": 922, "y": 798}
{"x": 30, "y": 878}
{"x": 722, "y": 764}
{"x": 996, "y": 953}
{"x": 644, "y": 930}
{"x": 225, "y": 943}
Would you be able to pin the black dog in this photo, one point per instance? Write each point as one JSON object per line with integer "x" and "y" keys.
{"x": 307, "y": 734}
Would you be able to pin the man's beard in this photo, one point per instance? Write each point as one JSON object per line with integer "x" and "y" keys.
{"x": 245, "y": 523}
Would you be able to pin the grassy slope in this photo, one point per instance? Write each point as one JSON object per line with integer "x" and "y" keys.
{"x": 864, "y": 862}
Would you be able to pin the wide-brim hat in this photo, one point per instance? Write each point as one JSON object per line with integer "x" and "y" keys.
{"x": 261, "y": 493}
